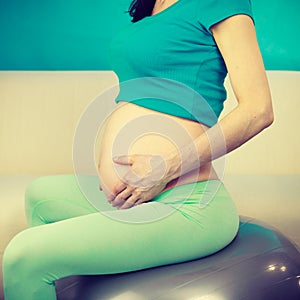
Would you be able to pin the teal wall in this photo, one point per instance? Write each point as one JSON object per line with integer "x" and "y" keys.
{"x": 74, "y": 34}
{"x": 278, "y": 32}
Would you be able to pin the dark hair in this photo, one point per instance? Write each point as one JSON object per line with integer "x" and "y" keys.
{"x": 139, "y": 9}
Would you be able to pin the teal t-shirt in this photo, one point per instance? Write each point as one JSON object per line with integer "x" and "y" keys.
{"x": 169, "y": 62}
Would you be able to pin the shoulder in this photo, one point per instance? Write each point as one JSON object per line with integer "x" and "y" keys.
{"x": 211, "y": 12}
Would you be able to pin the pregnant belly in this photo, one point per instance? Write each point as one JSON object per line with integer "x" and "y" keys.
{"x": 132, "y": 129}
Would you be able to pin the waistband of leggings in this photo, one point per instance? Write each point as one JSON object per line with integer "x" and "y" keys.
{"x": 200, "y": 193}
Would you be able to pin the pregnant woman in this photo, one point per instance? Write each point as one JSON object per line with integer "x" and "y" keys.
{"x": 174, "y": 57}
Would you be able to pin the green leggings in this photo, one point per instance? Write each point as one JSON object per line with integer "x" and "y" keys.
{"x": 68, "y": 236}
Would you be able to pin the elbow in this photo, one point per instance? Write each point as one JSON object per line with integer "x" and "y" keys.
{"x": 270, "y": 118}
{"x": 263, "y": 112}
{"x": 266, "y": 117}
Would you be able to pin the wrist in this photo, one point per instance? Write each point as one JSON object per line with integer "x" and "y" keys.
{"x": 173, "y": 166}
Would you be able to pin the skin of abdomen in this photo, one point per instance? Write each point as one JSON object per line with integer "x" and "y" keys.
{"x": 132, "y": 129}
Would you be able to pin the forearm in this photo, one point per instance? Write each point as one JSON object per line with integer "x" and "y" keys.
{"x": 237, "y": 42}
{"x": 232, "y": 131}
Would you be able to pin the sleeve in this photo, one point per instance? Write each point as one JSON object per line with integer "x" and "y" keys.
{"x": 211, "y": 12}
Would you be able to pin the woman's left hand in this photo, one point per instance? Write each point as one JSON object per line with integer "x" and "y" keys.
{"x": 142, "y": 177}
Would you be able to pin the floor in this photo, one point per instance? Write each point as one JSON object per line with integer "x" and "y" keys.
{"x": 270, "y": 198}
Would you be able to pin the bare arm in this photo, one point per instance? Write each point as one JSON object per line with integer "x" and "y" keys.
{"x": 236, "y": 40}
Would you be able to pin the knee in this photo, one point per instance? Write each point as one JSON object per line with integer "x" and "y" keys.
{"x": 14, "y": 265}
{"x": 34, "y": 194}
{"x": 48, "y": 187}
{"x": 23, "y": 256}
{"x": 17, "y": 256}
{"x": 23, "y": 266}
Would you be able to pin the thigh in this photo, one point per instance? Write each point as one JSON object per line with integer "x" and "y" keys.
{"x": 98, "y": 244}
{"x": 54, "y": 198}
{"x": 103, "y": 244}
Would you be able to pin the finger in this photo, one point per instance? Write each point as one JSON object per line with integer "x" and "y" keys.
{"x": 122, "y": 197}
{"x": 123, "y": 160}
{"x": 117, "y": 189}
{"x": 117, "y": 203}
{"x": 130, "y": 202}
{"x": 140, "y": 201}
